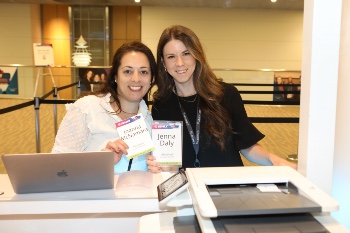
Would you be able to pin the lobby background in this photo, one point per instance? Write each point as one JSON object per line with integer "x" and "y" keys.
{"x": 233, "y": 38}
{"x": 321, "y": 60}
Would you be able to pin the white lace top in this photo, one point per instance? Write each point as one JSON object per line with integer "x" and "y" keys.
{"x": 88, "y": 126}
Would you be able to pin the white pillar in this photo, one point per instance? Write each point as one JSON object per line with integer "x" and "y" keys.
{"x": 321, "y": 39}
{"x": 341, "y": 171}
{"x": 324, "y": 130}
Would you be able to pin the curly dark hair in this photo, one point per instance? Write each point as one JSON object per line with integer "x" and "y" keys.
{"x": 110, "y": 85}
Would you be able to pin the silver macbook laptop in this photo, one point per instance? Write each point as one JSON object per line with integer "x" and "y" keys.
{"x": 57, "y": 172}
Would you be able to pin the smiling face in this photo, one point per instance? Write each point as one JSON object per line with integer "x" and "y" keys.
{"x": 179, "y": 62}
{"x": 279, "y": 80}
{"x": 134, "y": 77}
{"x": 89, "y": 75}
{"x": 97, "y": 78}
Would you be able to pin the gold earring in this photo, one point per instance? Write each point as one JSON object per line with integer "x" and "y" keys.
{"x": 164, "y": 67}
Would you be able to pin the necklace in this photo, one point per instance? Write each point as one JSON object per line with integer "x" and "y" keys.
{"x": 189, "y": 101}
{"x": 184, "y": 98}
{"x": 131, "y": 113}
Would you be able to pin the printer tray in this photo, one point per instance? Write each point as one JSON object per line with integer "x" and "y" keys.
{"x": 282, "y": 223}
{"x": 247, "y": 199}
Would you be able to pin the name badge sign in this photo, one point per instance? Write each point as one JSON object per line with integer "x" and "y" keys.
{"x": 167, "y": 139}
{"x": 43, "y": 55}
{"x": 134, "y": 132}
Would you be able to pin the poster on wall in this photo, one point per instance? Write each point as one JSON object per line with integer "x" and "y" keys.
{"x": 286, "y": 82}
{"x": 43, "y": 55}
{"x": 8, "y": 80}
{"x": 91, "y": 79}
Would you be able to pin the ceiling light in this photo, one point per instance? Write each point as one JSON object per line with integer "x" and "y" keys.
{"x": 137, "y": 0}
{"x": 273, "y": 0}
{"x": 81, "y": 57}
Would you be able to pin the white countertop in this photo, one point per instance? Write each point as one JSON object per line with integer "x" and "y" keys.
{"x": 90, "y": 201}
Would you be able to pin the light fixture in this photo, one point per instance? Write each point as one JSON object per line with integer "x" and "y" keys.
{"x": 137, "y": 0}
{"x": 81, "y": 57}
{"x": 273, "y": 0}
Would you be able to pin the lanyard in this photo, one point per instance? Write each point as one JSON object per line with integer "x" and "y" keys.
{"x": 194, "y": 138}
{"x": 129, "y": 166}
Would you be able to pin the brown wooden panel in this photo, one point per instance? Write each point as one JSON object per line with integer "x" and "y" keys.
{"x": 62, "y": 52}
{"x": 129, "y": 40}
{"x": 116, "y": 45}
{"x": 119, "y": 22}
{"x": 126, "y": 26}
{"x": 48, "y": 20}
{"x": 62, "y": 22}
{"x": 56, "y": 31}
{"x": 134, "y": 22}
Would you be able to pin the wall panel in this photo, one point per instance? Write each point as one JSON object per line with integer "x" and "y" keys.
{"x": 56, "y": 31}
{"x": 119, "y": 14}
{"x": 133, "y": 23}
{"x": 126, "y": 25}
{"x": 234, "y": 38}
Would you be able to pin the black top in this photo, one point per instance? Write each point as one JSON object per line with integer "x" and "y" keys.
{"x": 210, "y": 154}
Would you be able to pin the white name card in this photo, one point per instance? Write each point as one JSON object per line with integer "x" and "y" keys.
{"x": 134, "y": 132}
{"x": 167, "y": 139}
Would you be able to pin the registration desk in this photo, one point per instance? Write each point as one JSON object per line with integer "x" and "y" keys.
{"x": 107, "y": 211}
{"x": 210, "y": 204}
{"x": 78, "y": 211}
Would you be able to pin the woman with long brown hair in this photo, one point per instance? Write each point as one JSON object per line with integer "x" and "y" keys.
{"x": 216, "y": 126}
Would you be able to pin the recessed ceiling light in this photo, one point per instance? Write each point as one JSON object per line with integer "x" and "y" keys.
{"x": 137, "y": 0}
{"x": 273, "y": 0}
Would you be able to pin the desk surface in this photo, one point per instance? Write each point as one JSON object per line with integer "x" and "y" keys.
{"x": 91, "y": 201}
{"x": 78, "y": 211}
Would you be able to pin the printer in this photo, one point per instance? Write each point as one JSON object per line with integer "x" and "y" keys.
{"x": 256, "y": 199}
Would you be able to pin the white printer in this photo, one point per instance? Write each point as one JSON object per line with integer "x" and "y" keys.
{"x": 256, "y": 199}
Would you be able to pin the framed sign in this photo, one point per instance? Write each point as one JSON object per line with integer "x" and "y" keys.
{"x": 43, "y": 55}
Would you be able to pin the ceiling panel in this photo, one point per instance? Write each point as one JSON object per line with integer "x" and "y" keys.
{"x": 247, "y": 4}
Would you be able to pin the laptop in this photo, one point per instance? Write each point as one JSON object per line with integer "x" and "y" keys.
{"x": 59, "y": 172}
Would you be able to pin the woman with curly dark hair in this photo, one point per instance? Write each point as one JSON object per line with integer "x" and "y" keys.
{"x": 89, "y": 124}
{"x": 216, "y": 126}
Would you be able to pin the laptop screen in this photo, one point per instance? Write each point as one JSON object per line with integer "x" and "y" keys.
{"x": 56, "y": 172}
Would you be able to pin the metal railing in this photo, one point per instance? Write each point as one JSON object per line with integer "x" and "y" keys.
{"x": 37, "y": 101}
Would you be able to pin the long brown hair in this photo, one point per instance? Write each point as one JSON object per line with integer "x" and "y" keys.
{"x": 206, "y": 83}
{"x": 110, "y": 85}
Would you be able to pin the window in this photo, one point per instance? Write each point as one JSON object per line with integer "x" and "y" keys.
{"x": 92, "y": 23}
